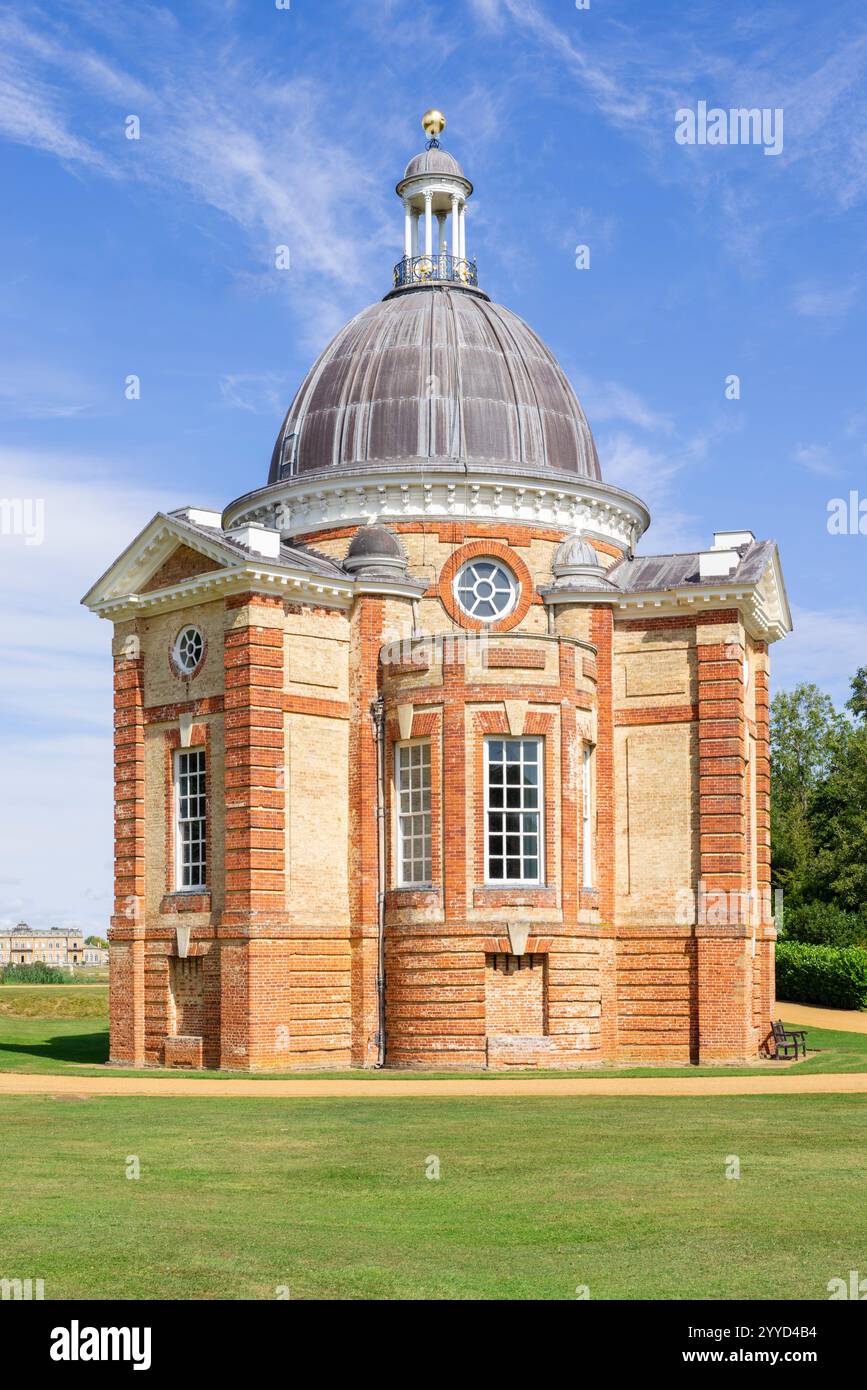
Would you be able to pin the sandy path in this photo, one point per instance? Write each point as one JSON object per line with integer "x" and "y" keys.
{"x": 806, "y": 1016}
{"x": 18, "y": 1083}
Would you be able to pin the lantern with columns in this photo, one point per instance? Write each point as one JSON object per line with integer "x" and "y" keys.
{"x": 434, "y": 186}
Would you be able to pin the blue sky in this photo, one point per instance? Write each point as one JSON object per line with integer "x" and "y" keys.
{"x": 262, "y": 127}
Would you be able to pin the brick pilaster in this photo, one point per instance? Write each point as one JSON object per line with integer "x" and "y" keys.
{"x": 724, "y": 964}
{"x": 126, "y": 969}
{"x": 457, "y": 830}
{"x": 763, "y": 770}
{"x": 571, "y": 753}
{"x": 365, "y": 644}
{"x": 255, "y": 797}
{"x": 602, "y": 636}
{"x": 723, "y": 806}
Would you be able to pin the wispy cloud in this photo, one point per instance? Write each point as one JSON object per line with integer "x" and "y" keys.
{"x": 55, "y": 695}
{"x": 826, "y": 647}
{"x": 611, "y": 400}
{"x": 818, "y": 459}
{"x": 258, "y": 392}
{"x": 261, "y": 152}
{"x": 828, "y": 303}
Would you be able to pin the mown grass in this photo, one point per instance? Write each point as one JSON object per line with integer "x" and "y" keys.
{"x": 535, "y": 1197}
{"x": 74, "y": 1038}
{"x": 52, "y": 1002}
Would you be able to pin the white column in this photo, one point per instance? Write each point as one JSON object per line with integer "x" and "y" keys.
{"x": 455, "y": 239}
{"x": 414, "y": 232}
{"x": 428, "y": 225}
{"x": 463, "y": 233}
{"x": 407, "y": 227}
{"x": 441, "y": 219}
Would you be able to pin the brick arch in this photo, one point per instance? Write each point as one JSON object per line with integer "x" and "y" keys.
{"x": 492, "y": 550}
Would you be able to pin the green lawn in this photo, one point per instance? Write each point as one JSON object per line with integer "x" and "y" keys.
{"x": 535, "y": 1197}
{"x": 74, "y": 1038}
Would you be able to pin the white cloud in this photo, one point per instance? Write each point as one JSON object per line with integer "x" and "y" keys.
{"x": 610, "y": 400}
{"x": 267, "y": 155}
{"x": 831, "y": 302}
{"x": 258, "y": 392}
{"x": 816, "y": 458}
{"x": 56, "y": 688}
{"x": 650, "y": 474}
{"x": 825, "y": 647}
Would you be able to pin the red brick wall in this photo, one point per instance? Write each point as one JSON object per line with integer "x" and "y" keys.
{"x": 515, "y": 995}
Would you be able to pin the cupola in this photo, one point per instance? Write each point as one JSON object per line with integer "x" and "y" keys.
{"x": 434, "y": 187}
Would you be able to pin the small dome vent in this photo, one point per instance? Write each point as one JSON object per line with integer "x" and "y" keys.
{"x": 575, "y": 555}
{"x": 376, "y": 550}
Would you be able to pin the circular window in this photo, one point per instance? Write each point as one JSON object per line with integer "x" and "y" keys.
{"x": 189, "y": 650}
{"x": 485, "y": 590}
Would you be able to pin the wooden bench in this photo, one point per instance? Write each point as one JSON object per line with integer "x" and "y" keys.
{"x": 787, "y": 1041}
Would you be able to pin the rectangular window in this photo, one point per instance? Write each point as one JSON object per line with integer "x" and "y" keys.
{"x": 412, "y": 776}
{"x": 513, "y": 810}
{"x": 586, "y": 817}
{"x": 190, "y": 819}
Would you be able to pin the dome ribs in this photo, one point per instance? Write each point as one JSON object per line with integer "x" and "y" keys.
{"x": 438, "y": 373}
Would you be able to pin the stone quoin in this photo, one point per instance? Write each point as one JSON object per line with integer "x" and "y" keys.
{"x": 415, "y": 758}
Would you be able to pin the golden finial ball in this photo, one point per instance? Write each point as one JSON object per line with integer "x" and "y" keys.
{"x": 433, "y": 123}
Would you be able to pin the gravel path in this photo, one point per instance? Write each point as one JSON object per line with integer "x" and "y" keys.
{"x": 19, "y": 1083}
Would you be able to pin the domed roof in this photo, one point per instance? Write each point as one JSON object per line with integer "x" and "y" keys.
{"x": 436, "y": 374}
{"x": 435, "y": 161}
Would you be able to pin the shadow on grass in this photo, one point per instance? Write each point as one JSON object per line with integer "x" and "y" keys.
{"x": 83, "y": 1048}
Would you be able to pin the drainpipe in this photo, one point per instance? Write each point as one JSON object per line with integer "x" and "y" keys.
{"x": 377, "y": 710}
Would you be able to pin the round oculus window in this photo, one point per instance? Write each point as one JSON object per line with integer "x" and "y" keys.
{"x": 486, "y": 590}
{"x": 188, "y": 650}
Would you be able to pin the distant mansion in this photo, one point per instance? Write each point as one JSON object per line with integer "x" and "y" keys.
{"x": 417, "y": 762}
{"x": 22, "y": 945}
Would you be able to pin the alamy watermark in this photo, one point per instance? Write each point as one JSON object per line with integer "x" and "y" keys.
{"x": 847, "y": 516}
{"x": 23, "y": 517}
{"x": 719, "y": 907}
{"x": 737, "y": 126}
{"x": 428, "y": 649}
{"x": 22, "y": 1290}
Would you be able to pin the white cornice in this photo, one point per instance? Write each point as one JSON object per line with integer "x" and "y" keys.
{"x": 766, "y": 622}
{"x": 303, "y": 505}
{"x": 218, "y": 584}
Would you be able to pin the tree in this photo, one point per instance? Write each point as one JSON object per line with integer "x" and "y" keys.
{"x": 806, "y": 730}
{"x": 96, "y": 941}
{"x": 837, "y": 870}
{"x": 858, "y": 701}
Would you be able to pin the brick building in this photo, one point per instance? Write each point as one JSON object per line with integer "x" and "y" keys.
{"x": 417, "y": 763}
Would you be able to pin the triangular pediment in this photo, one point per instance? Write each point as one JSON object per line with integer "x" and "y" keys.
{"x": 166, "y": 553}
{"x": 183, "y": 563}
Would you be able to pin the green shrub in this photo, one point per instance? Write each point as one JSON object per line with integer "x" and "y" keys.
{"x": 823, "y": 924}
{"x": 36, "y": 974}
{"x": 834, "y": 976}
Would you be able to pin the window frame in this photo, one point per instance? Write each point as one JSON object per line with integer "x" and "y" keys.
{"x": 401, "y": 817}
{"x": 497, "y": 563}
{"x": 504, "y": 882}
{"x": 188, "y": 671}
{"x": 201, "y": 886}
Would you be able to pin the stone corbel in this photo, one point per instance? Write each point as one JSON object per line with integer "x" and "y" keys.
{"x": 516, "y": 713}
{"x": 404, "y": 719}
